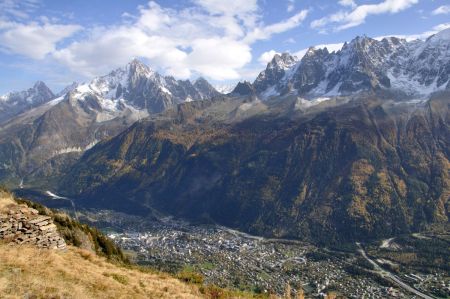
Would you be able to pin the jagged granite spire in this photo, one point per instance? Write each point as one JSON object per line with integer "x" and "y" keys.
{"x": 15, "y": 103}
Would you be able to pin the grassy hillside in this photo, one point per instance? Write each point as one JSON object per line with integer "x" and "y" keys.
{"x": 96, "y": 270}
{"x": 78, "y": 273}
{"x": 80, "y": 235}
{"x": 92, "y": 267}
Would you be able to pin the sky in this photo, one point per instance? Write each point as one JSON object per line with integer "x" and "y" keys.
{"x": 224, "y": 41}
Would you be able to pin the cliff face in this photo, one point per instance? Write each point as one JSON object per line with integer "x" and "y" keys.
{"x": 367, "y": 169}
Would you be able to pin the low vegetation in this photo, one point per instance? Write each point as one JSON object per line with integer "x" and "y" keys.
{"x": 92, "y": 267}
{"x": 78, "y": 273}
{"x": 80, "y": 235}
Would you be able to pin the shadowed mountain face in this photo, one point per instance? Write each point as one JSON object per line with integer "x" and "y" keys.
{"x": 46, "y": 140}
{"x": 365, "y": 169}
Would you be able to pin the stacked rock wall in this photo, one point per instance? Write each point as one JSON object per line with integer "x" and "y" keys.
{"x": 23, "y": 225}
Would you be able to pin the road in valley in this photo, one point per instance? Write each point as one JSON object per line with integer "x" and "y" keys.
{"x": 392, "y": 276}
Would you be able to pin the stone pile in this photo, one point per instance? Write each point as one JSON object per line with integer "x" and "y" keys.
{"x": 23, "y": 225}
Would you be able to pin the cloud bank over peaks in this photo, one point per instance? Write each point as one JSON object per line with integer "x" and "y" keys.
{"x": 211, "y": 38}
{"x": 34, "y": 40}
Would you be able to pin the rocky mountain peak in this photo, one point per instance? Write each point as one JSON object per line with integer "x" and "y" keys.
{"x": 15, "y": 103}
{"x": 244, "y": 89}
{"x": 442, "y": 36}
{"x": 40, "y": 85}
{"x": 393, "y": 41}
{"x": 363, "y": 64}
{"x": 201, "y": 81}
{"x": 359, "y": 46}
{"x": 138, "y": 86}
{"x": 67, "y": 89}
{"x": 138, "y": 68}
{"x": 205, "y": 89}
{"x": 283, "y": 61}
{"x": 275, "y": 71}
{"x": 315, "y": 52}
{"x": 361, "y": 41}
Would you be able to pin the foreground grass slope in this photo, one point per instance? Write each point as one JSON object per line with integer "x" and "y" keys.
{"x": 78, "y": 273}
{"x": 92, "y": 267}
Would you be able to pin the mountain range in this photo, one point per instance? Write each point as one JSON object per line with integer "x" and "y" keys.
{"x": 15, "y": 103}
{"x": 332, "y": 147}
{"x": 409, "y": 69}
{"x": 44, "y": 132}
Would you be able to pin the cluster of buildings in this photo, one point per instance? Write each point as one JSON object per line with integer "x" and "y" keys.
{"x": 232, "y": 259}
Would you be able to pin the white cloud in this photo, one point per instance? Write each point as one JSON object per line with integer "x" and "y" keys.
{"x": 290, "y": 6}
{"x": 218, "y": 58}
{"x": 212, "y": 39}
{"x": 290, "y": 40}
{"x": 266, "y": 57}
{"x": 441, "y": 10}
{"x": 350, "y": 3}
{"x": 17, "y": 8}
{"x": 33, "y": 40}
{"x": 422, "y": 36}
{"x": 235, "y": 8}
{"x": 357, "y": 16}
{"x": 441, "y": 27}
{"x": 261, "y": 33}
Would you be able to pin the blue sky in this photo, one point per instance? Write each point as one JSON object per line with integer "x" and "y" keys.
{"x": 59, "y": 42}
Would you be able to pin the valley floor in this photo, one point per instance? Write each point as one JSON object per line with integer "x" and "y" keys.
{"x": 237, "y": 260}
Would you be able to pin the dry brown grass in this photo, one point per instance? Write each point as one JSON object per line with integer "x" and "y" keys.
{"x": 27, "y": 272}
{"x": 6, "y": 199}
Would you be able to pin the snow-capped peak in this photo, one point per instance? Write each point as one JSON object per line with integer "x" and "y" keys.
{"x": 225, "y": 88}
{"x": 139, "y": 86}
{"x": 39, "y": 93}
{"x": 138, "y": 68}
{"x": 67, "y": 89}
{"x": 416, "y": 68}
{"x": 284, "y": 61}
{"x": 443, "y": 35}
{"x": 14, "y": 103}
{"x": 108, "y": 86}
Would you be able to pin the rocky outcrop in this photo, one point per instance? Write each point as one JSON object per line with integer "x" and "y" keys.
{"x": 20, "y": 224}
